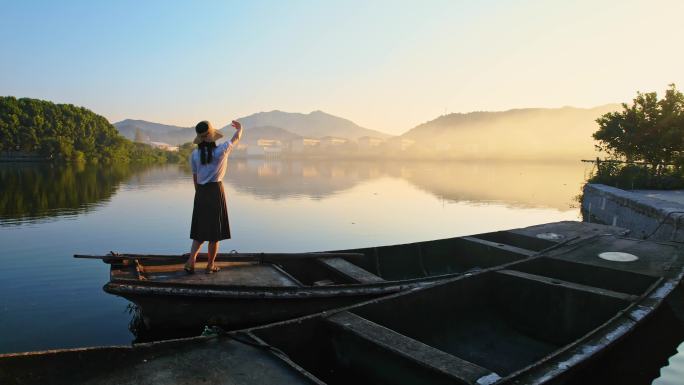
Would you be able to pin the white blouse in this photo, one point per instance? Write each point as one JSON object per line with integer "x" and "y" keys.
{"x": 215, "y": 170}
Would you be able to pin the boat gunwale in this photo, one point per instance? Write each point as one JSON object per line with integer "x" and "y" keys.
{"x": 244, "y": 292}
{"x": 144, "y": 345}
{"x": 136, "y": 286}
{"x": 148, "y": 287}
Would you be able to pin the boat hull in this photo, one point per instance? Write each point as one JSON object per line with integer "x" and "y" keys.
{"x": 183, "y": 315}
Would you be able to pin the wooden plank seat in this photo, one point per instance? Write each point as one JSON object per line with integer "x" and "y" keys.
{"x": 423, "y": 356}
{"x": 501, "y": 246}
{"x": 349, "y": 270}
{"x": 569, "y": 285}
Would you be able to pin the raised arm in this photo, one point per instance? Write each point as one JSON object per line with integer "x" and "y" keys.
{"x": 238, "y": 132}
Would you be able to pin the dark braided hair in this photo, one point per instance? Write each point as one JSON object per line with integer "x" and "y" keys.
{"x": 206, "y": 150}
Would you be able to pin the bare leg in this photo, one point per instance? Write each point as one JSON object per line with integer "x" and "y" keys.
{"x": 194, "y": 250}
{"x": 213, "y": 250}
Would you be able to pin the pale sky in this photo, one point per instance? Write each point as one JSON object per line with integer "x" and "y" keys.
{"x": 386, "y": 65}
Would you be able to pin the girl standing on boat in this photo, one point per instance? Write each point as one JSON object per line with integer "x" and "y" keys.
{"x": 209, "y": 213}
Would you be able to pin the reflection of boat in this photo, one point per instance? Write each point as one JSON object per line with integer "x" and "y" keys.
{"x": 259, "y": 288}
{"x": 550, "y": 318}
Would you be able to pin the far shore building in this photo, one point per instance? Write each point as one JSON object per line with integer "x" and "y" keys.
{"x": 332, "y": 141}
{"x": 266, "y": 147}
{"x": 269, "y": 143}
{"x": 300, "y": 145}
{"x": 164, "y": 146}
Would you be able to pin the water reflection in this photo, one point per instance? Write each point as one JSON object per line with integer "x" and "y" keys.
{"x": 310, "y": 179}
{"x": 516, "y": 184}
{"x": 31, "y": 192}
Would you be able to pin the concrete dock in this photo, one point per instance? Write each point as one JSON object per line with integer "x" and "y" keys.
{"x": 648, "y": 214}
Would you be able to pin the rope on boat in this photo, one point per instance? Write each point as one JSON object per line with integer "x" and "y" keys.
{"x": 216, "y": 330}
{"x": 662, "y": 222}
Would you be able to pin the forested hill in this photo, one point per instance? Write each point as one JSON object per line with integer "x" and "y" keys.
{"x": 64, "y": 131}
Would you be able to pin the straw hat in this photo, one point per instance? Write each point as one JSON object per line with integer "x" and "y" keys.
{"x": 206, "y": 133}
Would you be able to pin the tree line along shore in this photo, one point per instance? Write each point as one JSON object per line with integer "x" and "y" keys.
{"x": 33, "y": 129}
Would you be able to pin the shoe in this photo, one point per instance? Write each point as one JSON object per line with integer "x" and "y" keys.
{"x": 213, "y": 269}
{"x": 189, "y": 269}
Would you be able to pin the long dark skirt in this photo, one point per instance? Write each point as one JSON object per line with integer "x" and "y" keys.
{"x": 210, "y": 214}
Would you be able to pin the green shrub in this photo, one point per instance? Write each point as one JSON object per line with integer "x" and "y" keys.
{"x": 637, "y": 176}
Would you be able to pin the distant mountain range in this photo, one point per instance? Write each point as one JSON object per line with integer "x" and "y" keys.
{"x": 530, "y": 133}
{"x": 274, "y": 125}
{"x": 316, "y": 124}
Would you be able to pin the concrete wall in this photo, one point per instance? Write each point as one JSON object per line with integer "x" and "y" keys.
{"x": 646, "y": 217}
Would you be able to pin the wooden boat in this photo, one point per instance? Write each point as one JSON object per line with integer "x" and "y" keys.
{"x": 255, "y": 289}
{"x": 535, "y": 321}
{"x": 548, "y": 319}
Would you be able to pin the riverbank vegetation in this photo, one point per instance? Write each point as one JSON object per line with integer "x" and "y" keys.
{"x": 644, "y": 142}
{"x": 64, "y": 132}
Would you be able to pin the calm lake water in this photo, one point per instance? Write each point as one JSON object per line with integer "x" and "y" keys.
{"x": 48, "y": 213}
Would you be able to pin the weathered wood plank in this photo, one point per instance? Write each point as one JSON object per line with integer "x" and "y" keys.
{"x": 501, "y": 246}
{"x": 252, "y": 275}
{"x": 350, "y": 270}
{"x": 416, "y": 351}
